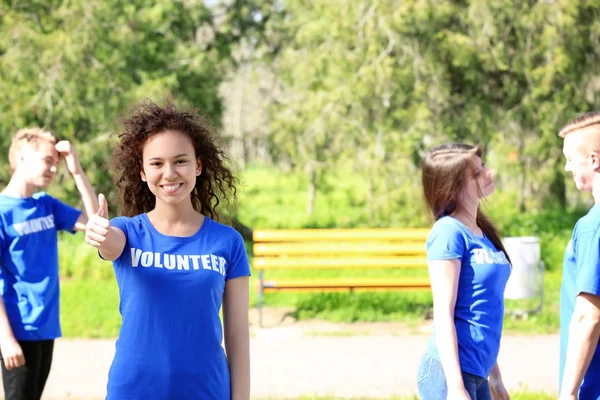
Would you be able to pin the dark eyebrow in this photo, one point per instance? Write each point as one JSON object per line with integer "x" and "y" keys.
{"x": 177, "y": 156}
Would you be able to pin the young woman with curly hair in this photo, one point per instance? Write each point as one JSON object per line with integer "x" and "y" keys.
{"x": 174, "y": 263}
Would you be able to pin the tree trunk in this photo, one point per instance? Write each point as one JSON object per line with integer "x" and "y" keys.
{"x": 312, "y": 190}
{"x": 558, "y": 189}
{"x": 237, "y": 144}
{"x": 523, "y": 173}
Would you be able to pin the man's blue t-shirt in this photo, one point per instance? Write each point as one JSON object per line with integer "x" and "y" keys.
{"x": 479, "y": 310}
{"x": 29, "y": 281}
{"x": 171, "y": 289}
{"x": 581, "y": 274}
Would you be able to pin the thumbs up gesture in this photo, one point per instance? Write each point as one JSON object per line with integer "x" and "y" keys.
{"x": 97, "y": 226}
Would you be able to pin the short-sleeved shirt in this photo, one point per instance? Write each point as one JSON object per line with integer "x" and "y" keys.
{"x": 171, "y": 290}
{"x": 29, "y": 280}
{"x": 479, "y": 309}
{"x": 581, "y": 274}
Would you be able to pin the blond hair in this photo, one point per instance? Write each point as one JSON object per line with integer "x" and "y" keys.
{"x": 27, "y": 137}
{"x": 583, "y": 121}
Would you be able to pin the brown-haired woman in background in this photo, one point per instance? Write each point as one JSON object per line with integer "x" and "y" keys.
{"x": 468, "y": 269}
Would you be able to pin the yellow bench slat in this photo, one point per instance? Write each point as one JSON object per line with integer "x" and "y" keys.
{"x": 346, "y": 285}
{"x": 280, "y": 249}
{"x": 273, "y": 263}
{"x": 282, "y": 235}
{"x": 318, "y": 289}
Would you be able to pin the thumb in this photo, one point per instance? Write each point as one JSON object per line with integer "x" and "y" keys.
{"x": 103, "y": 209}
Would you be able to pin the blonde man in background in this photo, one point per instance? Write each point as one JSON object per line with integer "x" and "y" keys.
{"x": 29, "y": 283}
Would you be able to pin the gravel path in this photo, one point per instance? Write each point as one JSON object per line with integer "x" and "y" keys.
{"x": 317, "y": 358}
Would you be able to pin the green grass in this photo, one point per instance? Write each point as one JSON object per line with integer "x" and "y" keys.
{"x": 89, "y": 301}
{"x": 272, "y": 199}
{"x": 513, "y": 396}
{"x": 89, "y": 308}
{"x": 548, "y": 320}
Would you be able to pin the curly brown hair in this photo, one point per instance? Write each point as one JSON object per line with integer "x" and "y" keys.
{"x": 216, "y": 183}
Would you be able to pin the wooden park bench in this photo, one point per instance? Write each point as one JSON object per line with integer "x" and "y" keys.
{"x": 309, "y": 249}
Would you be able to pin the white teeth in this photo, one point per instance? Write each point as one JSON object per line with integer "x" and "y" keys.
{"x": 170, "y": 188}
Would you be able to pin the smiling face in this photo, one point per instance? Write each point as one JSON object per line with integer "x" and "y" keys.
{"x": 170, "y": 167}
{"x": 580, "y": 150}
{"x": 38, "y": 163}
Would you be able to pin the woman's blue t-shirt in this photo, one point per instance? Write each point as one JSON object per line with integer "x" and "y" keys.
{"x": 479, "y": 310}
{"x": 171, "y": 290}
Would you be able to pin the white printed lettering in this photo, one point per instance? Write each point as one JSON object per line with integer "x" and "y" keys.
{"x": 135, "y": 257}
{"x": 179, "y": 262}
{"x": 195, "y": 261}
{"x": 34, "y": 225}
{"x": 147, "y": 258}
{"x": 183, "y": 262}
{"x": 157, "y": 263}
{"x": 222, "y": 266}
{"x": 205, "y": 261}
{"x": 170, "y": 261}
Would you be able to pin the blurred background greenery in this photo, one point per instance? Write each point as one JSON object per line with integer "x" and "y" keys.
{"x": 325, "y": 107}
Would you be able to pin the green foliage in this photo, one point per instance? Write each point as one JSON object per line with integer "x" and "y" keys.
{"x": 360, "y": 92}
{"x": 553, "y": 225}
{"x": 376, "y": 84}
{"x": 89, "y": 308}
{"x": 76, "y": 67}
{"x": 547, "y": 321}
{"x": 389, "y": 306}
{"x": 273, "y": 199}
{"x": 80, "y": 261}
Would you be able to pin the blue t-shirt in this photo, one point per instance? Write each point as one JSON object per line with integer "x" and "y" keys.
{"x": 581, "y": 274}
{"x": 171, "y": 289}
{"x": 479, "y": 310}
{"x": 29, "y": 262}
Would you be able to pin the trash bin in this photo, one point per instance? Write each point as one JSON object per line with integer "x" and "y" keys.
{"x": 527, "y": 276}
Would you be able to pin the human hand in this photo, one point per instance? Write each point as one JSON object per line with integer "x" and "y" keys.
{"x": 96, "y": 229}
{"x": 458, "y": 394}
{"x": 65, "y": 149}
{"x": 498, "y": 390}
{"x": 567, "y": 396}
{"x": 12, "y": 353}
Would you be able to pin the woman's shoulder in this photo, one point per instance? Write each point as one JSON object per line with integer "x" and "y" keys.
{"x": 447, "y": 224}
{"x": 221, "y": 229}
{"x": 446, "y": 229}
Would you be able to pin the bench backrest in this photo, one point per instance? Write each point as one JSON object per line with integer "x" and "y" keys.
{"x": 339, "y": 248}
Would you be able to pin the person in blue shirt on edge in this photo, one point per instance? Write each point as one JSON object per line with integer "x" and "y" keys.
{"x": 29, "y": 283}
{"x": 468, "y": 268}
{"x": 580, "y": 289}
{"x": 175, "y": 264}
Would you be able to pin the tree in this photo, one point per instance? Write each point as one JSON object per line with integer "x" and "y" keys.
{"x": 379, "y": 82}
{"x": 76, "y": 67}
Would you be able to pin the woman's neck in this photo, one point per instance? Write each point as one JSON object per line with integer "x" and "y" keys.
{"x": 173, "y": 213}
{"x": 176, "y": 219}
{"x": 468, "y": 216}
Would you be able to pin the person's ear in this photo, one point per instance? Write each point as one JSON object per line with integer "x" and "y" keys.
{"x": 22, "y": 154}
{"x": 198, "y": 167}
{"x": 143, "y": 175}
{"x": 595, "y": 157}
